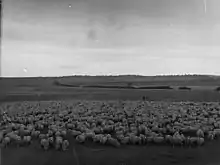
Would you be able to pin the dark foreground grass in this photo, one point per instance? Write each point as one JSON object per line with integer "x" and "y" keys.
{"x": 91, "y": 154}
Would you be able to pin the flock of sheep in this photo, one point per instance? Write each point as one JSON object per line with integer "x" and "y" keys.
{"x": 115, "y": 123}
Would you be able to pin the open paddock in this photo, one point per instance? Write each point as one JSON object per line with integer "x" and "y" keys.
{"x": 113, "y": 132}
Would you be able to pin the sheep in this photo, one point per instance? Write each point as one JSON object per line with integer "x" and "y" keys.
{"x": 114, "y": 142}
{"x": 45, "y": 144}
{"x": 211, "y": 135}
{"x": 27, "y": 139}
{"x": 177, "y": 140}
{"x": 149, "y": 139}
{"x": 51, "y": 140}
{"x": 89, "y": 135}
{"x": 30, "y": 127}
{"x": 58, "y": 142}
{"x": 75, "y": 133}
{"x": 193, "y": 141}
{"x": 134, "y": 139}
{"x": 63, "y": 133}
{"x": 70, "y": 126}
{"x": 200, "y": 133}
{"x": 42, "y": 136}
{"x": 6, "y": 141}
{"x": 217, "y": 132}
{"x": 200, "y": 141}
{"x": 50, "y": 132}
{"x": 125, "y": 140}
{"x": 168, "y": 139}
{"x": 103, "y": 140}
{"x": 65, "y": 145}
{"x": 97, "y": 138}
{"x": 35, "y": 134}
{"x": 158, "y": 140}
{"x": 18, "y": 141}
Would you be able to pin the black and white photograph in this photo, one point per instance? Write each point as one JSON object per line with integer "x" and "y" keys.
{"x": 110, "y": 82}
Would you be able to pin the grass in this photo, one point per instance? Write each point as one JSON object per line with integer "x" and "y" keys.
{"x": 203, "y": 89}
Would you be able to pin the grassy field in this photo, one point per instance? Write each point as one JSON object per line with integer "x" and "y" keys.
{"x": 110, "y": 88}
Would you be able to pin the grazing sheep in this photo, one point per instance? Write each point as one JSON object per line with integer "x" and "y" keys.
{"x": 58, "y": 142}
{"x": 193, "y": 141}
{"x": 113, "y": 142}
{"x": 125, "y": 140}
{"x": 45, "y": 144}
{"x": 27, "y": 140}
{"x": 158, "y": 140}
{"x": 200, "y": 141}
{"x": 51, "y": 140}
{"x": 168, "y": 139}
{"x": 63, "y": 133}
{"x": 211, "y": 135}
{"x": 35, "y": 134}
{"x": 217, "y": 132}
{"x": 89, "y": 135}
{"x": 50, "y": 132}
{"x": 97, "y": 138}
{"x": 6, "y": 141}
{"x": 65, "y": 145}
{"x": 134, "y": 139}
{"x": 103, "y": 140}
{"x": 81, "y": 138}
{"x": 177, "y": 141}
{"x": 75, "y": 133}
{"x": 200, "y": 133}
{"x": 42, "y": 136}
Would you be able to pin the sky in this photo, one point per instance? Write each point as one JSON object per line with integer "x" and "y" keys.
{"x": 110, "y": 37}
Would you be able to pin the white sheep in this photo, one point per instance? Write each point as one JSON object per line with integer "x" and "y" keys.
{"x": 58, "y": 133}
{"x": 200, "y": 133}
{"x": 50, "y": 132}
{"x": 58, "y": 142}
{"x": 35, "y": 134}
{"x": 51, "y": 140}
{"x": 125, "y": 140}
{"x": 217, "y": 132}
{"x": 6, "y": 141}
{"x": 27, "y": 139}
{"x": 65, "y": 145}
{"x": 177, "y": 140}
{"x": 45, "y": 144}
{"x": 158, "y": 140}
{"x": 103, "y": 140}
{"x": 81, "y": 138}
{"x": 89, "y": 135}
{"x": 63, "y": 133}
{"x": 114, "y": 142}
{"x": 42, "y": 136}
{"x": 193, "y": 141}
{"x": 200, "y": 141}
{"x": 133, "y": 139}
{"x": 211, "y": 135}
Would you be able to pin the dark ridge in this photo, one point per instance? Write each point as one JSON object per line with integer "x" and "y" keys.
{"x": 57, "y": 83}
{"x": 184, "y": 88}
{"x": 109, "y": 86}
{"x": 155, "y": 87}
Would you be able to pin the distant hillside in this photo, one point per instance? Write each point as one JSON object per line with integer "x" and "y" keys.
{"x": 117, "y": 80}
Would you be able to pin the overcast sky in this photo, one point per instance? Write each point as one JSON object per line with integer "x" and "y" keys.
{"x": 148, "y": 37}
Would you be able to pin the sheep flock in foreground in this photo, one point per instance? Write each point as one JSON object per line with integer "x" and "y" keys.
{"x": 114, "y": 123}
